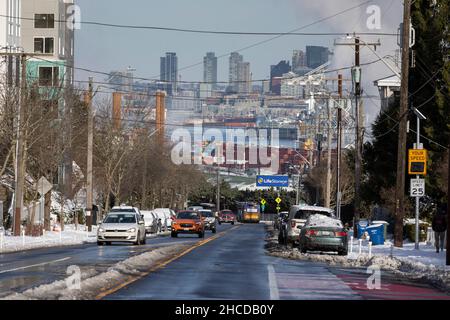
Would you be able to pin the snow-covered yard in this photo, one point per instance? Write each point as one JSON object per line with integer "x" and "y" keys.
{"x": 70, "y": 236}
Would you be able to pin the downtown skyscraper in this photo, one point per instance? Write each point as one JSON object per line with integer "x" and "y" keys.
{"x": 239, "y": 74}
{"x": 210, "y": 69}
{"x": 169, "y": 72}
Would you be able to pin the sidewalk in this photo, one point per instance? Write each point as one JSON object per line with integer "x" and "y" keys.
{"x": 68, "y": 237}
{"x": 425, "y": 256}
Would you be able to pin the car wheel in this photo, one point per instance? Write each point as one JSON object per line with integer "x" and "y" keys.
{"x": 342, "y": 252}
{"x": 220, "y": 223}
{"x": 302, "y": 249}
{"x": 174, "y": 235}
{"x": 99, "y": 243}
{"x": 138, "y": 240}
{"x": 214, "y": 230}
{"x": 144, "y": 241}
{"x": 232, "y": 223}
{"x": 201, "y": 234}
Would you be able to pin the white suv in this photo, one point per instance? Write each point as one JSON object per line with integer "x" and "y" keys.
{"x": 122, "y": 226}
{"x": 298, "y": 215}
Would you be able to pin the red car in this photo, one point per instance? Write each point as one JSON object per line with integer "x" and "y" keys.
{"x": 227, "y": 216}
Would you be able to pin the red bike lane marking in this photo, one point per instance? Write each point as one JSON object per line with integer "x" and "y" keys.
{"x": 391, "y": 291}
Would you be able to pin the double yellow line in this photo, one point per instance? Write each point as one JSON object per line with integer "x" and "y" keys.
{"x": 160, "y": 265}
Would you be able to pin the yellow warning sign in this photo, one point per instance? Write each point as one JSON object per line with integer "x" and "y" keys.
{"x": 417, "y": 162}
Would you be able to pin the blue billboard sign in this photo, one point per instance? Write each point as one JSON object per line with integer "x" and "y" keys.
{"x": 272, "y": 181}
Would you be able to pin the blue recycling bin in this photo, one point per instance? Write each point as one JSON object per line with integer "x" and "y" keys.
{"x": 376, "y": 234}
{"x": 361, "y": 228}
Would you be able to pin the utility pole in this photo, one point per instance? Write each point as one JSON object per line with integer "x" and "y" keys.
{"x": 218, "y": 188}
{"x": 329, "y": 141}
{"x": 90, "y": 146}
{"x": 401, "y": 151}
{"x": 339, "y": 148}
{"x": 68, "y": 102}
{"x": 20, "y": 161}
{"x": 357, "y": 89}
{"x": 448, "y": 209}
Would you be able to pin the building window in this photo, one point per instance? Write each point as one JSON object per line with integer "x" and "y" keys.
{"x": 44, "y": 21}
{"x": 44, "y": 45}
{"x": 48, "y": 76}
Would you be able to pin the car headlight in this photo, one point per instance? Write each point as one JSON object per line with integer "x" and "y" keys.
{"x": 101, "y": 230}
{"x": 132, "y": 230}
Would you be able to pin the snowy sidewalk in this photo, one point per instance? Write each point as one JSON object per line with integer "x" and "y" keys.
{"x": 426, "y": 255}
{"x": 68, "y": 237}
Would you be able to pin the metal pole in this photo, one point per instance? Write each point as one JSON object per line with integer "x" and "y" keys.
{"x": 1, "y": 214}
{"x": 89, "y": 186}
{"x": 448, "y": 210}
{"x": 19, "y": 176}
{"x": 329, "y": 138}
{"x": 416, "y": 246}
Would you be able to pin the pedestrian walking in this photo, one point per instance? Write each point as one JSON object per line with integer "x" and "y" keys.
{"x": 439, "y": 226}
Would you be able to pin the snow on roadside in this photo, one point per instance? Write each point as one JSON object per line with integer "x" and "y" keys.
{"x": 93, "y": 283}
{"x": 403, "y": 266}
{"x": 69, "y": 237}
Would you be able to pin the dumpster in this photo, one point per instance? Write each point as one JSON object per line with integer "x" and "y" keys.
{"x": 385, "y": 224}
{"x": 361, "y": 228}
{"x": 376, "y": 234}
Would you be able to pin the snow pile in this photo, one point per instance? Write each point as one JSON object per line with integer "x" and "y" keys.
{"x": 401, "y": 263}
{"x": 70, "y": 236}
{"x": 320, "y": 220}
{"x": 93, "y": 283}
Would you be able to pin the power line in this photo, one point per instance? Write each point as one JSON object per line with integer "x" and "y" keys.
{"x": 214, "y": 32}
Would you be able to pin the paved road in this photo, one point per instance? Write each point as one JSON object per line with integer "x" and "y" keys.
{"x": 235, "y": 266}
{"x": 232, "y": 266}
{"x": 23, "y": 270}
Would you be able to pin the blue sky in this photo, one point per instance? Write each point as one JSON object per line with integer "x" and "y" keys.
{"x": 106, "y": 49}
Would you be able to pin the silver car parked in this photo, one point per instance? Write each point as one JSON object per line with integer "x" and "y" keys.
{"x": 122, "y": 227}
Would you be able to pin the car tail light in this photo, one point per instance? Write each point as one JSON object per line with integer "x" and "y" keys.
{"x": 341, "y": 234}
{"x": 310, "y": 233}
{"x": 293, "y": 223}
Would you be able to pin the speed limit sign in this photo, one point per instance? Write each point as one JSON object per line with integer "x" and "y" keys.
{"x": 417, "y": 188}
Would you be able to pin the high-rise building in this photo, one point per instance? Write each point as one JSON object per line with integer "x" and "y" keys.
{"x": 277, "y": 71}
{"x": 233, "y": 78}
{"x": 298, "y": 60}
{"x": 169, "y": 71}
{"x": 244, "y": 78}
{"x": 316, "y": 56}
{"x": 210, "y": 68}
{"x": 10, "y": 40}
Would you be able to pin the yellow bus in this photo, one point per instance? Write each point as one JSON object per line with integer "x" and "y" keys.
{"x": 248, "y": 212}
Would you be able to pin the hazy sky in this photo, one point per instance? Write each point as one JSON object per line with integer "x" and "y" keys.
{"x": 106, "y": 49}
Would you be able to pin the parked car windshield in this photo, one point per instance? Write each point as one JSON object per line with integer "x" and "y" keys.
{"x": 304, "y": 214}
{"x": 188, "y": 215}
{"x": 120, "y": 218}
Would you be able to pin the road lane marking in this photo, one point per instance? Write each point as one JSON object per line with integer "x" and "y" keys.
{"x": 35, "y": 265}
{"x": 274, "y": 293}
{"x": 161, "y": 264}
